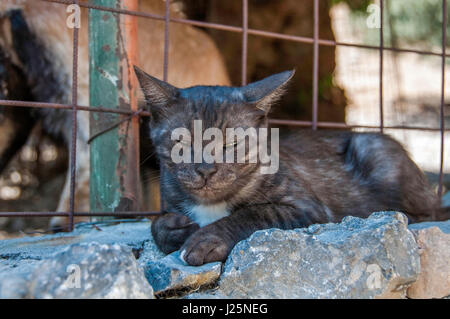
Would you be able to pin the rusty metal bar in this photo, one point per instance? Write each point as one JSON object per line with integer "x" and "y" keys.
{"x": 442, "y": 117}
{"x": 44, "y": 105}
{"x": 145, "y": 113}
{"x": 166, "y": 40}
{"x": 162, "y": 205}
{"x": 130, "y": 131}
{"x": 73, "y": 146}
{"x": 339, "y": 125}
{"x": 268, "y": 34}
{"x": 315, "y": 98}
{"x": 77, "y": 214}
{"x": 244, "y": 42}
{"x": 381, "y": 67}
{"x": 372, "y": 47}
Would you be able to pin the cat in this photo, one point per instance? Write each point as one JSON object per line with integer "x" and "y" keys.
{"x": 323, "y": 176}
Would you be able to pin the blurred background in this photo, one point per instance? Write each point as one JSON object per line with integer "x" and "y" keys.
{"x": 348, "y": 84}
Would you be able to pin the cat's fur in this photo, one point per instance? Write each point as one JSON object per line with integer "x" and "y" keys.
{"x": 322, "y": 177}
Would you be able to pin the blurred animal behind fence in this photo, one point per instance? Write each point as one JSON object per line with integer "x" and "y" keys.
{"x": 36, "y": 49}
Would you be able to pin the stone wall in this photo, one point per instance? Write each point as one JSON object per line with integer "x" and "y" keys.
{"x": 377, "y": 257}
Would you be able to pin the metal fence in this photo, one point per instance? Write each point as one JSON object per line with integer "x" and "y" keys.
{"x": 315, "y": 41}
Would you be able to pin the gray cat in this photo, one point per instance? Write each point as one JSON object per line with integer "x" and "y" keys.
{"x": 323, "y": 176}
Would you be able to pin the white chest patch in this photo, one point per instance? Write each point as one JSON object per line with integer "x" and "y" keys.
{"x": 207, "y": 214}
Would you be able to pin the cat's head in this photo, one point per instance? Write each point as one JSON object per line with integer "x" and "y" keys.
{"x": 174, "y": 110}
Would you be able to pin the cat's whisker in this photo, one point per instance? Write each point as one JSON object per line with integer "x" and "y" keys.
{"x": 147, "y": 158}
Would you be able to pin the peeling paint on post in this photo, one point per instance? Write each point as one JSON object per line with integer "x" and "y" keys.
{"x": 114, "y": 181}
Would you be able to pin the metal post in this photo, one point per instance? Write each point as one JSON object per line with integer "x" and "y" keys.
{"x": 244, "y": 42}
{"x": 442, "y": 115}
{"x": 73, "y": 142}
{"x": 381, "y": 67}
{"x": 115, "y": 180}
{"x": 315, "y": 97}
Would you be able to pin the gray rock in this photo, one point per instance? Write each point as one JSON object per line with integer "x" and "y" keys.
{"x": 20, "y": 257}
{"x": 446, "y": 200}
{"x": 134, "y": 235}
{"x": 14, "y": 277}
{"x": 444, "y": 226}
{"x": 434, "y": 249}
{"x": 209, "y": 294}
{"x": 90, "y": 270}
{"x": 149, "y": 253}
{"x": 171, "y": 273}
{"x": 358, "y": 258}
{"x": 13, "y": 286}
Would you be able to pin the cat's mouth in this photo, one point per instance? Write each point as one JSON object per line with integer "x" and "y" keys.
{"x": 204, "y": 188}
{"x": 206, "y": 192}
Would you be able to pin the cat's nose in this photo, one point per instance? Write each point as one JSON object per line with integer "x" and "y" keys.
{"x": 206, "y": 170}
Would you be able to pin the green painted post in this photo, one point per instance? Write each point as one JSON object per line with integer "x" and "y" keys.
{"x": 114, "y": 179}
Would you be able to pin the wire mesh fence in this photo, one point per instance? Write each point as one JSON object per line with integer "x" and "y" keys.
{"x": 245, "y": 31}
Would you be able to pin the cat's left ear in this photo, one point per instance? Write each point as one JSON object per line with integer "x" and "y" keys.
{"x": 157, "y": 93}
{"x": 265, "y": 92}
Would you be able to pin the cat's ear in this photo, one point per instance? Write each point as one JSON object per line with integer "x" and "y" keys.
{"x": 158, "y": 94}
{"x": 265, "y": 92}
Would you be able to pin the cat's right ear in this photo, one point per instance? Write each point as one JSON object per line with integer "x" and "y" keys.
{"x": 158, "y": 94}
{"x": 265, "y": 92}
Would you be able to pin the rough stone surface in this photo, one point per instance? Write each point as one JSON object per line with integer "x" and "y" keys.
{"x": 90, "y": 270}
{"x": 358, "y": 258}
{"x": 434, "y": 277}
{"x": 19, "y": 258}
{"x": 209, "y": 294}
{"x": 13, "y": 285}
{"x": 134, "y": 235}
{"x": 444, "y": 226}
{"x": 446, "y": 200}
{"x": 14, "y": 277}
{"x": 149, "y": 253}
{"x": 171, "y": 273}
{"x": 26, "y": 260}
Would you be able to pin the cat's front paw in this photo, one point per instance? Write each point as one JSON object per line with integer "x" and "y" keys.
{"x": 171, "y": 230}
{"x": 204, "y": 247}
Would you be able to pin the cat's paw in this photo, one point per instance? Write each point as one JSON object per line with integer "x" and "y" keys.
{"x": 171, "y": 230}
{"x": 204, "y": 247}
